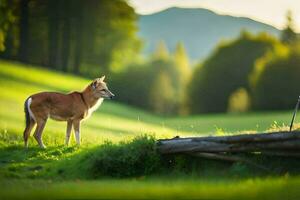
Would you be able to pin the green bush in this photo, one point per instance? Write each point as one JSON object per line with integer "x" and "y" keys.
{"x": 239, "y": 101}
{"x": 226, "y": 70}
{"x": 275, "y": 80}
{"x": 135, "y": 158}
{"x": 140, "y": 157}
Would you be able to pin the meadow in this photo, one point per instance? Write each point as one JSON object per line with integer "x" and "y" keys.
{"x": 35, "y": 173}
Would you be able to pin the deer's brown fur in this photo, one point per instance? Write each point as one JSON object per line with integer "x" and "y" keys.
{"x": 72, "y": 107}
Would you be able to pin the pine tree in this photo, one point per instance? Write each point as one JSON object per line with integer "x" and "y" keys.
{"x": 183, "y": 68}
{"x": 288, "y": 35}
{"x": 24, "y": 31}
{"x": 161, "y": 51}
{"x": 162, "y": 94}
{"x": 182, "y": 62}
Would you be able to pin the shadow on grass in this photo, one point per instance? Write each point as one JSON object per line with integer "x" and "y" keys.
{"x": 19, "y": 162}
{"x": 8, "y": 78}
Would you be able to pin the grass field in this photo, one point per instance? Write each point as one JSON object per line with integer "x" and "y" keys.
{"x": 271, "y": 188}
{"x": 29, "y": 173}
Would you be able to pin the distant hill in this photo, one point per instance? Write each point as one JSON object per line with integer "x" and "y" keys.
{"x": 199, "y": 29}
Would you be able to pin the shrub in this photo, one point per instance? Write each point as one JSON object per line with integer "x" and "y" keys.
{"x": 239, "y": 101}
{"x": 135, "y": 158}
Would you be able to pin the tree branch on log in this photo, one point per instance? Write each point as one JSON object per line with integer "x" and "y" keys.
{"x": 204, "y": 146}
{"x": 259, "y": 137}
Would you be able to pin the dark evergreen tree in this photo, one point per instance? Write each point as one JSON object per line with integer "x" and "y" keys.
{"x": 288, "y": 34}
{"x": 24, "y": 31}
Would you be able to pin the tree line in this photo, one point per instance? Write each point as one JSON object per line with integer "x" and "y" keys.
{"x": 157, "y": 83}
{"x": 251, "y": 72}
{"x": 95, "y": 37}
{"x": 84, "y": 37}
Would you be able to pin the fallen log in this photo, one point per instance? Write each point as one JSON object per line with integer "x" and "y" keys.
{"x": 257, "y": 137}
{"x": 204, "y": 146}
{"x": 268, "y": 142}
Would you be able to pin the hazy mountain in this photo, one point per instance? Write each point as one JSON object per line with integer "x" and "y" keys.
{"x": 199, "y": 29}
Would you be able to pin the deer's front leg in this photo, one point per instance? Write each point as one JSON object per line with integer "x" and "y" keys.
{"x": 68, "y": 132}
{"x": 76, "y": 125}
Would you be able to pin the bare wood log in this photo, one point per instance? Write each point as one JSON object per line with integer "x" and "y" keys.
{"x": 276, "y": 143}
{"x": 191, "y": 145}
{"x": 259, "y": 137}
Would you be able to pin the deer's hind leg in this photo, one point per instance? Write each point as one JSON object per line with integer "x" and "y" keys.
{"x": 39, "y": 131}
{"x": 27, "y": 131}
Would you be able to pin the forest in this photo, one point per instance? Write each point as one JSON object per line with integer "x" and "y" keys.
{"x": 91, "y": 38}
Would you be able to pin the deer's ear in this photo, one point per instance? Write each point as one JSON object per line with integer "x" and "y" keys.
{"x": 102, "y": 78}
{"x": 94, "y": 84}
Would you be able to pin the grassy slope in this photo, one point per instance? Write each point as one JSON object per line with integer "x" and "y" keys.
{"x": 114, "y": 122}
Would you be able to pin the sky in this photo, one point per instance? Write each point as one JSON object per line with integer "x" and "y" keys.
{"x": 272, "y": 12}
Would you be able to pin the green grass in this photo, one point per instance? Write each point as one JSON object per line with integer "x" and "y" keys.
{"x": 30, "y": 171}
{"x": 270, "y": 188}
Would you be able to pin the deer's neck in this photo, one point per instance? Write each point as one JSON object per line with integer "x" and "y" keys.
{"x": 89, "y": 98}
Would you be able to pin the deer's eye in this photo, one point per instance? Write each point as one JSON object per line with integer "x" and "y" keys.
{"x": 103, "y": 90}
